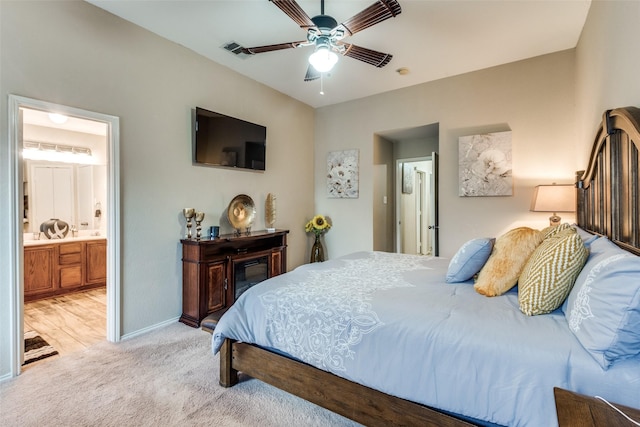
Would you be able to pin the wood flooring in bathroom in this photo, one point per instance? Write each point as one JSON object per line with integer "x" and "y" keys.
{"x": 70, "y": 322}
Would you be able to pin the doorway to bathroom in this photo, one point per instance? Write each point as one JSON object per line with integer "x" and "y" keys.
{"x": 66, "y": 273}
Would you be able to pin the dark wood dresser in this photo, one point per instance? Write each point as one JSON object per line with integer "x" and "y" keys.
{"x": 216, "y": 272}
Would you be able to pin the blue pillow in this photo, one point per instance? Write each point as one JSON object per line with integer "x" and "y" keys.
{"x": 469, "y": 259}
{"x": 603, "y": 308}
{"x": 586, "y": 236}
{"x": 599, "y": 249}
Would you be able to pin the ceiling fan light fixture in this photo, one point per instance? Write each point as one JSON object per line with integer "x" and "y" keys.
{"x": 323, "y": 59}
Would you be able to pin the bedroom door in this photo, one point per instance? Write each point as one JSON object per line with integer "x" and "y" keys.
{"x": 434, "y": 233}
{"x": 417, "y": 206}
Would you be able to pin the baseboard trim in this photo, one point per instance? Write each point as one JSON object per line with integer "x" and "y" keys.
{"x": 149, "y": 328}
{"x": 6, "y": 377}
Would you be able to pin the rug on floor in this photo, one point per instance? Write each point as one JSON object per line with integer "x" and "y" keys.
{"x": 36, "y": 348}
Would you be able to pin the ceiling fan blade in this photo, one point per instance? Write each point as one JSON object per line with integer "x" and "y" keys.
{"x": 369, "y": 56}
{"x": 312, "y": 74}
{"x": 380, "y": 11}
{"x": 271, "y": 47}
{"x": 295, "y": 12}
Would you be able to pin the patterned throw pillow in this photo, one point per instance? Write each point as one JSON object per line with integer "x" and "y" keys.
{"x": 550, "y": 273}
{"x": 469, "y": 259}
{"x": 603, "y": 308}
{"x": 554, "y": 229}
{"x": 510, "y": 253}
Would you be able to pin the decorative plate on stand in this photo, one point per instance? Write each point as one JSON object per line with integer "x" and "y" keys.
{"x": 241, "y": 212}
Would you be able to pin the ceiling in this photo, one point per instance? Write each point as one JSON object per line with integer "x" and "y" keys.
{"x": 70, "y": 123}
{"x": 432, "y": 39}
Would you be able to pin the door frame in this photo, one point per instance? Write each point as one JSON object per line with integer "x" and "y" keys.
{"x": 433, "y": 198}
{"x": 421, "y": 222}
{"x": 16, "y": 267}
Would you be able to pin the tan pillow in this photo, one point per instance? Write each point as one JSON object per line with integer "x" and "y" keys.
{"x": 510, "y": 253}
{"x": 550, "y": 273}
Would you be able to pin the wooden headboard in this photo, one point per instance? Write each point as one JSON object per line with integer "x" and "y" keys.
{"x": 608, "y": 191}
{"x": 608, "y": 204}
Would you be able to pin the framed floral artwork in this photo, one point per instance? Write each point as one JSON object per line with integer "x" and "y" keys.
{"x": 407, "y": 178}
{"x": 484, "y": 165}
{"x": 342, "y": 174}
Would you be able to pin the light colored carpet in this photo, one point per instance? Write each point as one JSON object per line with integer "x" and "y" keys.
{"x": 168, "y": 377}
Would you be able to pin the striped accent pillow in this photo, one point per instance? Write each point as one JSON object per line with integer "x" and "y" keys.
{"x": 550, "y": 272}
{"x": 554, "y": 229}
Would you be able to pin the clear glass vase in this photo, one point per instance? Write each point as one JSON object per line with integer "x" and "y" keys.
{"x": 317, "y": 250}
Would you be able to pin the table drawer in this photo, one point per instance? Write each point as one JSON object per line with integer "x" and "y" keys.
{"x": 70, "y": 259}
{"x": 70, "y": 248}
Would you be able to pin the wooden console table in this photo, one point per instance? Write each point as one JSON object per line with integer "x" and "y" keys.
{"x": 215, "y": 272}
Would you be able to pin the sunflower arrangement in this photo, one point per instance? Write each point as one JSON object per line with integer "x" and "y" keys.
{"x": 317, "y": 225}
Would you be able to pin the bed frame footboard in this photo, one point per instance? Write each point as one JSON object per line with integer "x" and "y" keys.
{"x": 576, "y": 410}
{"x": 359, "y": 403}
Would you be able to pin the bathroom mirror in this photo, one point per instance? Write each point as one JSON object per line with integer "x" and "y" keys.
{"x": 64, "y": 171}
{"x": 63, "y": 191}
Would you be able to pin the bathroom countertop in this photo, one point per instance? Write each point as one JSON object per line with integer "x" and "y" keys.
{"x": 44, "y": 241}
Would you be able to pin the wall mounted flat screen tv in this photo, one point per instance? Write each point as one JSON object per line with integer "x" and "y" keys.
{"x": 225, "y": 141}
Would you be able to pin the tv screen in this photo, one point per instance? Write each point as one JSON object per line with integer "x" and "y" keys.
{"x": 225, "y": 141}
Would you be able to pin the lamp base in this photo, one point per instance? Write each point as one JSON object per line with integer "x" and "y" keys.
{"x": 554, "y": 220}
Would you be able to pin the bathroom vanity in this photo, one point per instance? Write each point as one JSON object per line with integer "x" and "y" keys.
{"x": 57, "y": 267}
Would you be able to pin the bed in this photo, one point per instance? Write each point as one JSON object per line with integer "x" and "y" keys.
{"x": 384, "y": 339}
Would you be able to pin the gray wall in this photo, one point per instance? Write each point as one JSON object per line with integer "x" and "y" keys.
{"x": 72, "y": 53}
{"x": 552, "y": 103}
{"x": 534, "y": 98}
{"x": 607, "y": 67}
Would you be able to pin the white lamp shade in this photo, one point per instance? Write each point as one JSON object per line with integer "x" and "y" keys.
{"x": 554, "y": 198}
{"x": 323, "y": 59}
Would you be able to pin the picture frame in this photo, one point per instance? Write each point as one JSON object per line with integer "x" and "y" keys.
{"x": 485, "y": 165}
{"x": 408, "y": 177}
{"x": 342, "y": 174}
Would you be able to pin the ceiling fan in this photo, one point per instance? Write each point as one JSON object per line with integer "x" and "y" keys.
{"x": 326, "y": 35}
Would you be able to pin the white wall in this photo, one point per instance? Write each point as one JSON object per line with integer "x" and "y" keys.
{"x": 533, "y": 98}
{"x": 74, "y": 54}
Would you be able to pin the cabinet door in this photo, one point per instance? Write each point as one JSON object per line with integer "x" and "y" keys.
{"x": 38, "y": 270}
{"x": 96, "y": 262}
{"x": 276, "y": 263}
{"x": 52, "y": 194}
{"x": 215, "y": 286}
{"x": 71, "y": 277}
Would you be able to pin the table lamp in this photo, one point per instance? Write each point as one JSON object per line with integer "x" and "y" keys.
{"x": 554, "y": 198}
